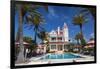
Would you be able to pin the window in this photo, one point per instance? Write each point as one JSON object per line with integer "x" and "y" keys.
{"x": 53, "y": 46}
{"x": 65, "y": 47}
{"x": 53, "y": 38}
{"x": 59, "y": 38}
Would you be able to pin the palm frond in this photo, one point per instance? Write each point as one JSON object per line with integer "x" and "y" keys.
{"x": 88, "y": 10}
{"x": 79, "y": 19}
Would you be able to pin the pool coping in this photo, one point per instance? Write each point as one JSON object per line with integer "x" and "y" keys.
{"x": 51, "y": 61}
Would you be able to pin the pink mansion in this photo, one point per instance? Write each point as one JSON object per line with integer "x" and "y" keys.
{"x": 58, "y": 39}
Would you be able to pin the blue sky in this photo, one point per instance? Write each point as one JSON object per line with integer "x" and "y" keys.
{"x": 56, "y": 16}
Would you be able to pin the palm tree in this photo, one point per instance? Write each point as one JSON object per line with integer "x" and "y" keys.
{"x": 30, "y": 41}
{"x": 79, "y": 20}
{"x": 80, "y": 41}
{"x": 44, "y": 37}
{"x": 78, "y": 37}
{"x": 20, "y": 57}
{"x": 27, "y": 39}
{"x": 45, "y": 41}
{"x": 23, "y": 9}
{"x": 36, "y": 22}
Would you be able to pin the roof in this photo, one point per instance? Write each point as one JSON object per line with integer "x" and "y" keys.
{"x": 40, "y": 46}
{"x": 90, "y": 46}
{"x": 91, "y": 42}
{"x": 58, "y": 43}
{"x": 60, "y": 32}
{"x": 23, "y": 43}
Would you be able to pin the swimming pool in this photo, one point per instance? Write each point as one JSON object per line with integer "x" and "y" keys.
{"x": 60, "y": 56}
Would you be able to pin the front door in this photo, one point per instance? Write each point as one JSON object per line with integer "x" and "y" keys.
{"x": 60, "y": 47}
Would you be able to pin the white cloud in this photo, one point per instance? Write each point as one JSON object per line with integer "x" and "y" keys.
{"x": 52, "y": 14}
{"x": 92, "y": 35}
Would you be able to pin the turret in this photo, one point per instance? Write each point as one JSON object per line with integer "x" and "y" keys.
{"x": 58, "y": 30}
{"x": 65, "y": 31}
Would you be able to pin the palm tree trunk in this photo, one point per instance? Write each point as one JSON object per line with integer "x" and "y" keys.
{"x": 81, "y": 33}
{"x": 81, "y": 29}
{"x": 35, "y": 37}
{"x": 20, "y": 58}
{"x": 78, "y": 42}
{"x": 82, "y": 46}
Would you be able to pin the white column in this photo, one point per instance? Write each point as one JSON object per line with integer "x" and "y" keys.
{"x": 50, "y": 47}
{"x": 56, "y": 47}
{"x": 44, "y": 49}
{"x": 63, "y": 47}
{"x": 56, "y": 39}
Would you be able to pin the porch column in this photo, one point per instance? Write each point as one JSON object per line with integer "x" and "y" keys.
{"x": 63, "y": 47}
{"x": 50, "y": 47}
{"x": 45, "y": 48}
{"x": 56, "y": 47}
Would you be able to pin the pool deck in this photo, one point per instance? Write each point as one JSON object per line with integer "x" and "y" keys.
{"x": 35, "y": 60}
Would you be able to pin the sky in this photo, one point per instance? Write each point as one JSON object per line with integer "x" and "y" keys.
{"x": 57, "y": 16}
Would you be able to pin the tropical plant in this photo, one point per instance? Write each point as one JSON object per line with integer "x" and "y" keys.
{"x": 44, "y": 37}
{"x": 31, "y": 42}
{"x": 80, "y": 41}
{"x": 79, "y": 20}
{"x": 36, "y": 23}
{"x": 27, "y": 39}
{"x": 78, "y": 37}
{"x": 70, "y": 46}
{"x": 20, "y": 57}
{"x": 24, "y": 10}
{"x": 83, "y": 42}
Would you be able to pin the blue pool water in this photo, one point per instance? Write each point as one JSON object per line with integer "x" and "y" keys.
{"x": 60, "y": 56}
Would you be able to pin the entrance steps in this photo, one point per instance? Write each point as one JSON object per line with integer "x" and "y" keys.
{"x": 59, "y": 52}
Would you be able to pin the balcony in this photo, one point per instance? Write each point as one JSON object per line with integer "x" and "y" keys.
{"x": 56, "y": 39}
